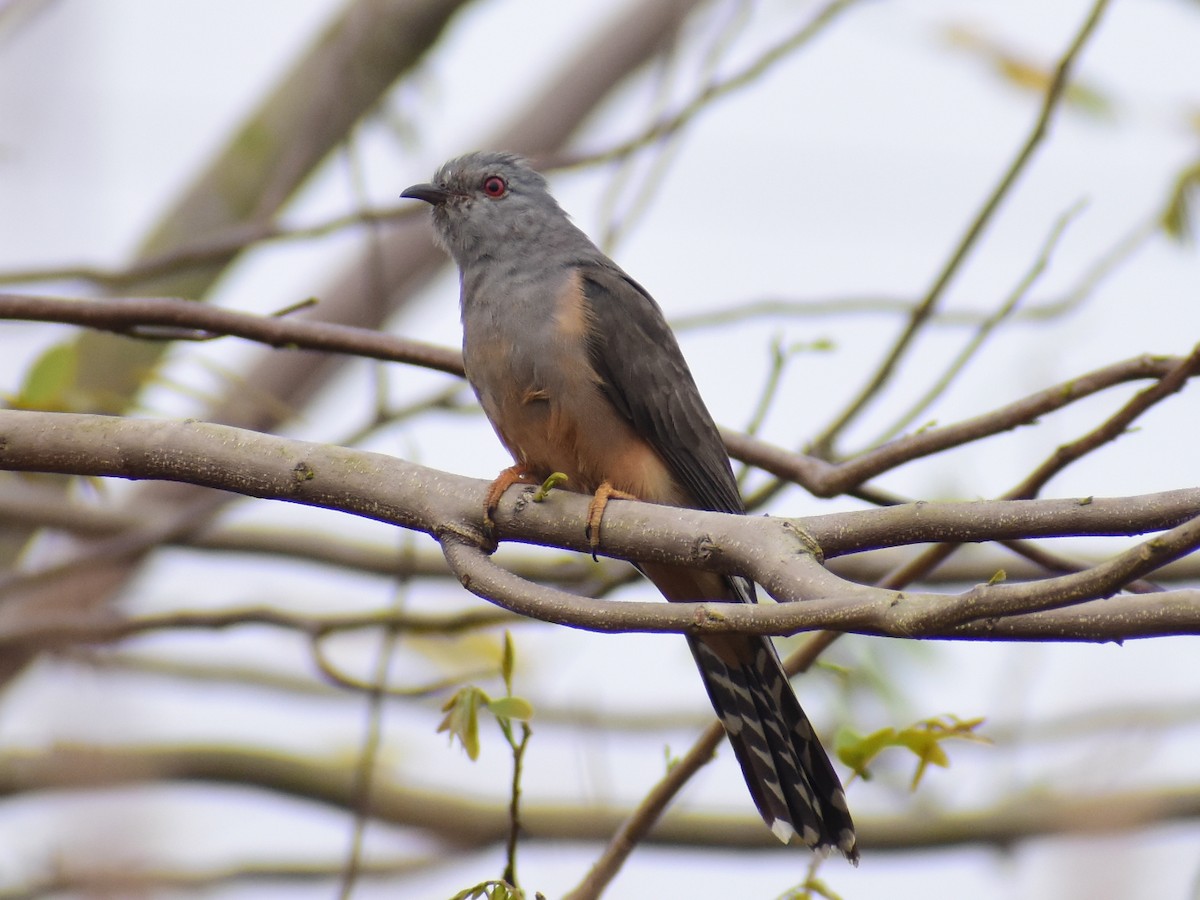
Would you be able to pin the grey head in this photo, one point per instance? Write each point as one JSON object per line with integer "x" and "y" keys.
{"x": 493, "y": 207}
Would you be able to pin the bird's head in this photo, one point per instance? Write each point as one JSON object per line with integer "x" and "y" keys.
{"x": 486, "y": 205}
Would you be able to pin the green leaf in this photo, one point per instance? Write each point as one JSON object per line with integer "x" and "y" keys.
{"x": 507, "y": 661}
{"x": 671, "y": 761}
{"x": 555, "y": 479}
{"x": 923, "y": 739}
{"x": 810, "y": 888}
{"x": 926, "y": 746}
{"x": 858, "y": 752}
{"x": 1180, "y": 212}
{"x": 49, "y": 380}
{"x": 493, "y": 890}
{"x": 511, "y": 708}
{"x": 1024, "y": 74}
{"x": 462, "y": 718}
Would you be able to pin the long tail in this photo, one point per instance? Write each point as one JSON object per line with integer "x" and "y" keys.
{"x": 793, "y": 784}
{"x": 790, "y": 778}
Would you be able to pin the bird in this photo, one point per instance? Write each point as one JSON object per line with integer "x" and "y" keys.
{"x": 579, "y": 373}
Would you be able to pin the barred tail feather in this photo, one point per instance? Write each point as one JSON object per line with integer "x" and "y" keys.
{"x": 789, "y": 775}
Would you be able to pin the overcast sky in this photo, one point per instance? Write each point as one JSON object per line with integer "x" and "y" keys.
{"x": 849, "y": 171}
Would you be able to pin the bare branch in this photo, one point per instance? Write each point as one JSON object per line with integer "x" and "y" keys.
{"x": 985, "y": 328}
{"x": 34, "y": 506}
{"x": 716, "y": 89}
{"x": 463, "y": 822}
{"x": 819, "y": 477}
{"x": 825, "y": 479}
{"x": 825, "y": 441}
{"x": 1111, "y": 429}
{"x": 132, "y": 314}
{"x": 113, "y": 628}
{"x": 779, "y": 554}
{"x": 636, "y": 827}
{"x": 146, "y": 879}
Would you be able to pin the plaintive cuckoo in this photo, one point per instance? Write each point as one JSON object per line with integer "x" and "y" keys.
{"x": 579, "y": 373}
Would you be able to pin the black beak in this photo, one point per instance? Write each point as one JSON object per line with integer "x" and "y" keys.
{"x": 430, "y": 193}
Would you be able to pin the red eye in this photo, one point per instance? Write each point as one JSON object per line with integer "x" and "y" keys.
{"x": 494, "y": 186}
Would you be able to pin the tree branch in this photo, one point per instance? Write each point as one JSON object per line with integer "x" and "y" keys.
{"x": 1054, "y": 92}
{"x": 821, "y": 478}
{"x": 1112, "y": 428}
{"x": 198, "y": 321}
{"x": 461, "y": 822}
{"x": 636, "y": 827}
{"x": 112, "y": 627}
{"x": 778, "y": 554}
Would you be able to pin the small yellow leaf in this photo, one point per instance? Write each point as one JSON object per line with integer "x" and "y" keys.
{"x": 511, "y": 708}
{"x": 1178, "y": 216}
{"x": 923, "y": 739}
{"x": 858, "y": 752}
{"x": 462, "y": 718}
{"x": 508, "y": 661}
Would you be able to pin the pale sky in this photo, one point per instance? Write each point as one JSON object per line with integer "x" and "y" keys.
{"x": 849, "y": 171}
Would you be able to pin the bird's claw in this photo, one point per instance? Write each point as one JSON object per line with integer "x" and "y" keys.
{"x": 506, "y": 479}
{"x": 600, "y": 499}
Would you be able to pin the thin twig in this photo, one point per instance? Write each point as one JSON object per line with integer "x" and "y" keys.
{"x": 1111, "y": 429}
{"x": 108, "y": 628}
{"x": 215, "y": 248}
{"x": 824, "y": 443}
{"x": 667, "y": 147}
{"x": 845, "y": 306}
{"x": 364, "y": 770}
{"x": 126, "y": 315}
{"x": 770, "y": 390}
{"x": 635, "y": 828}
{"x": 715, "y": 90}
{"x": 985, "y": 329}
{"x": 824, "y": 479}
{"x": 514, "y": 806}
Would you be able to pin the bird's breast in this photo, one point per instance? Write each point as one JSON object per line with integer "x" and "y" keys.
{"x": 527, "y": 359}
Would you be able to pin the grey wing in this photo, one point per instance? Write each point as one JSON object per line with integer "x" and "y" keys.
{"x": 646, "y": 377}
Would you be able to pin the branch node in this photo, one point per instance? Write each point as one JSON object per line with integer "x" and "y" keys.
{"x": 456, "y": 532}
{"x": 528, "y": 494}
{"x": 706, "y": 616}
{"x": 808, "y": 543}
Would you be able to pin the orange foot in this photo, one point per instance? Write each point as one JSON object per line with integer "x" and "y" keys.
{"x": 517, "y": 474}
{"x": 600, "y": 499}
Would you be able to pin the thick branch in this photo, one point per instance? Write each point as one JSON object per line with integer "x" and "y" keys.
{"x": 29, "y": 505}
{"x": 779, "y": 554}
{"x": 188, "y": 320}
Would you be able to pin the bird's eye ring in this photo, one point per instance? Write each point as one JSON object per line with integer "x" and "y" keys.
{"x": 495, "y": 186}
